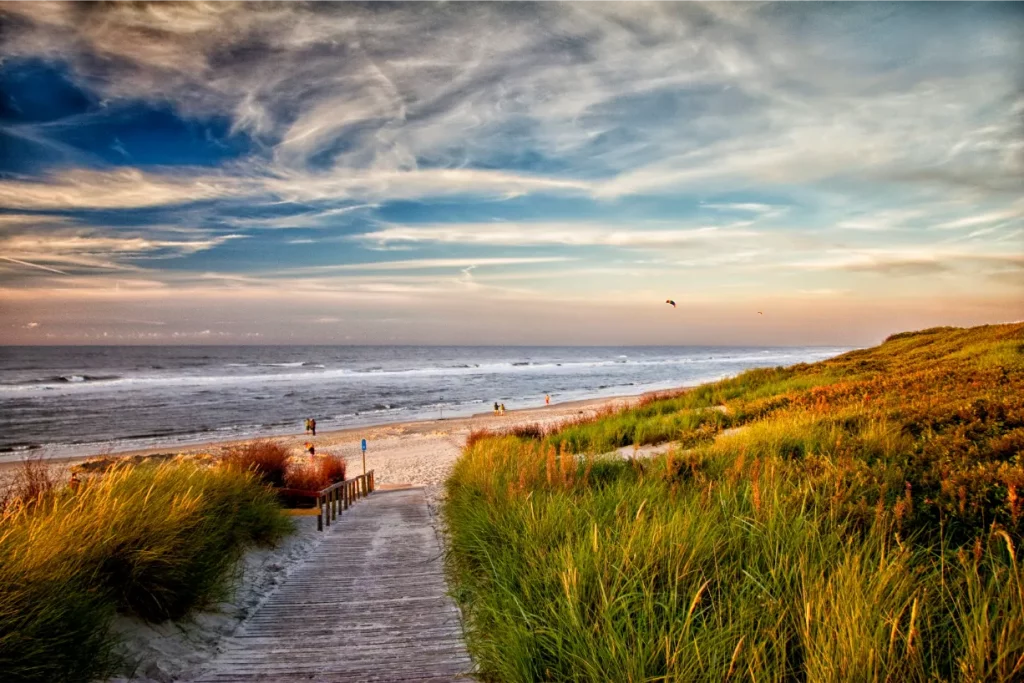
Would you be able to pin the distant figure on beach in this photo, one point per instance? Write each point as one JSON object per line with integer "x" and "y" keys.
{"x": 312, "y": 426}
{"x": 495, "y": 407}
{"x": 307, "y": 425}
{"x": 74, "y": 482}
{"x": 547, "y": 399}
{"x": 502, "y": 409}
{"x": 311, "y": 448}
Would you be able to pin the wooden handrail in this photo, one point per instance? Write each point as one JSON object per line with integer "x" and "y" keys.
{"x": 339, "y": 496}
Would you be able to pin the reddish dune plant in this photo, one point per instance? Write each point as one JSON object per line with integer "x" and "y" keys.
{"x": 478, "y": 435}
{"x": 269, "y": 460}
{"x": 306, "y": 476}
{"x": 529, "y": 431}
{"x": 657, "y": 396}
{"x": 332, "y": 468}
{"x": 32, "y": 483}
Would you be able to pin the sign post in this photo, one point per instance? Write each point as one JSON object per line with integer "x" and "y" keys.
{"x": 364, "y": 456}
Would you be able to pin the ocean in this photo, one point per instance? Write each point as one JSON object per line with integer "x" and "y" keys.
{"x": 73, "y": 401}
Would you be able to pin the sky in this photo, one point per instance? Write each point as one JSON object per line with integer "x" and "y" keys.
{"x": 492, "y": 173}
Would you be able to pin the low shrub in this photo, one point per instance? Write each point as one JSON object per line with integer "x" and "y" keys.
{"x": 478, "y": 435}
{"x": 33, "y": 481}
{"x": 530, "y": 431}
{"x": 315, "y": 473}
{"x": 268, "y": 459}
{"x": 305, "y": 476}
{"x": 332, "y": 468}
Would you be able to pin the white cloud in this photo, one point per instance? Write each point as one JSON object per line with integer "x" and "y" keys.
{"x": 428, "y": 264}
{"x": 127, "y": 188}
{"x": 29, "y": 264}
{"x": 899, "y": 261}
{"x": 567, "y": 234}
{"x": 93, "y": 249}
{"x": 1013, "y": 213}
{"x": 752, "y": 207}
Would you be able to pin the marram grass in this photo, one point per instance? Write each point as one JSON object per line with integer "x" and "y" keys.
{"x": 859, "y": 520}
{"x": 153, "y": 541}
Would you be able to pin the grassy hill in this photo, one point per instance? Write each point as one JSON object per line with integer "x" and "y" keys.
{"x": 854, "y": 519}
{"x": 153, "y": 541}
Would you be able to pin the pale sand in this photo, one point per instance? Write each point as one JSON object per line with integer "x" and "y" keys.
{"x": 414, "y": 453}
{"x": 419, "y": 453}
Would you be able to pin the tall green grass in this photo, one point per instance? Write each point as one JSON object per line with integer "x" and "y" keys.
{"x": 864, "y": 523}
{"x": 152, "y": 541}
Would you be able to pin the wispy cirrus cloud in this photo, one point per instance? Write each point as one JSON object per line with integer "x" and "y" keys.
{"x": 911, "y": 262}
{"x": 562, "y": 234}
{"x": 430, "y": 264}
{"x": 64, "y": 249}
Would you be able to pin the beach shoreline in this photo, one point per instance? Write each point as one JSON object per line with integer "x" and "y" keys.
{"x": 346, "y": 441}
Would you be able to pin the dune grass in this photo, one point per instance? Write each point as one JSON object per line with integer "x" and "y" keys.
{"x": 151, "y": 541}
{"x": 861, "y": 521}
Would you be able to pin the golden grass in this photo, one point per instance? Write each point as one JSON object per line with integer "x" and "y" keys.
{"x": 855, "y": 519}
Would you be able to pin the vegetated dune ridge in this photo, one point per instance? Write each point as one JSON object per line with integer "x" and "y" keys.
{"x": 154, "y": 542}
{"x": 860, "y": 518}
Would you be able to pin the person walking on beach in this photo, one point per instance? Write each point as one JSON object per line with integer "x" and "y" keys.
{"x": 502, "y": 409}
{"x": 547, "y": 399}
{"x": 307, "y": 425}
{"x": 312, "y": 426}
{"x": 495, "y": 407}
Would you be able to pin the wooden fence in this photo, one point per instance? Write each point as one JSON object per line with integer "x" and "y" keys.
{"x": 335, "y": 499}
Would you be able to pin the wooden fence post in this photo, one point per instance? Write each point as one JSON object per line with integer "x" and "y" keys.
{"x": 319, "y": 514}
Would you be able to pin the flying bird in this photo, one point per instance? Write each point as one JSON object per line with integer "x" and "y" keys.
{"x": 760, "y": 313}
{"x": 669, "y": 301}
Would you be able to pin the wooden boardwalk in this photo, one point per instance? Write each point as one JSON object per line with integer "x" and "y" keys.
{"x": 370, "y": 604}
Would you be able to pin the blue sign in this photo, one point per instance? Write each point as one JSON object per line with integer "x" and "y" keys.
{"x": 364, "y": 445}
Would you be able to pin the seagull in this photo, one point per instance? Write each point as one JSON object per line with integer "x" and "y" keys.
{"x": 760, "y": 313}
{"x": 669, "y": 301}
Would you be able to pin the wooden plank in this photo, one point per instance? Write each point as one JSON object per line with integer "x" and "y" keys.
{"x": 370, "y": 604}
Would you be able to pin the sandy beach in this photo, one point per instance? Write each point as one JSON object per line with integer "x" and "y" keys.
{"x": 418, "y": 453}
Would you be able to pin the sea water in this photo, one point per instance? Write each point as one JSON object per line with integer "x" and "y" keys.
{"x": 63, "y": 401}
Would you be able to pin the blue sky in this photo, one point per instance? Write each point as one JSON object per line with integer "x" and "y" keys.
{"x": 491, "y": 173}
